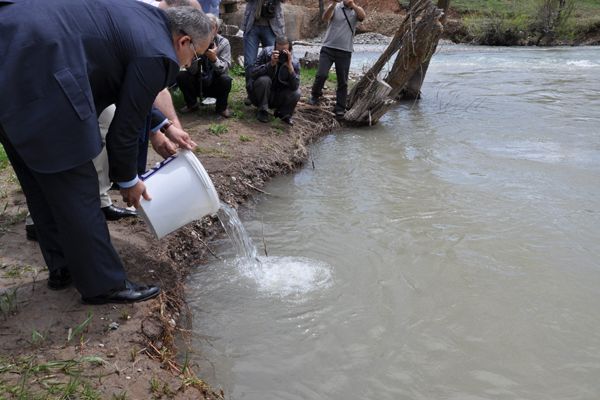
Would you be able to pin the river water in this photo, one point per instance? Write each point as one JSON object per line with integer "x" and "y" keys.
{"x": 450, "y": 252}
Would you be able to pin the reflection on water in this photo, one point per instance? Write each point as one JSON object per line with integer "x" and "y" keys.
{"x": 451, "y": 252}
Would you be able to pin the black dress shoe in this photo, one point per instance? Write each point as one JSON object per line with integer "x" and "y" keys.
{"x": 114, "y": 213}
{"x": 287, "y": 120}
{"x": 30, "y": 233}
{"x": 59, "y": 280}
{"x": 262, "y": 115}
{"x": 129, "y": 293}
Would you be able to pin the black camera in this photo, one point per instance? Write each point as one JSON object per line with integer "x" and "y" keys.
{"x": 268, "y": 9}
{"x": 283, "y": 57}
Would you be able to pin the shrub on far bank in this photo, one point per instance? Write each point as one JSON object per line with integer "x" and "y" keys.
{"x": 544, "y": 22}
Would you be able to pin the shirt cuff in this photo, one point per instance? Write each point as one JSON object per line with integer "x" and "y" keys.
{"x": 128, "y": 184}
{"x": 157, "y": 127}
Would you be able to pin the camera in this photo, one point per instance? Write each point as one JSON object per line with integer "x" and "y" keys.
{"x": 283, "y": 57}
{"x": 268, "y": 9}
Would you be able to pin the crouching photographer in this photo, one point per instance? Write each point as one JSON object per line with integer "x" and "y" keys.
{"x": 275, "y": 82}
{"x": 208, "y": 76}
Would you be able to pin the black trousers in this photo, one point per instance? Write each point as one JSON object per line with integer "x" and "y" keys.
{"x": 71, "y": 228}
{"x": 264, "y": 96}
{"x": 341, "y": 59}
{"x": 192, "y": 87}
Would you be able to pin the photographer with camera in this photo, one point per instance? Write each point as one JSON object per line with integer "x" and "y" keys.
{"x": 342, "y": 16}
{"x": 263, "y": 22}
{"x": 208, "y": 76}
{"x": 275, "y": 82}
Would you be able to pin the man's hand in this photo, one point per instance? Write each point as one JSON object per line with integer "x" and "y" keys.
{"x": 211, "y": 54}
{"x": 274, "y": 57}
{"x": 180, "y": 137}
{"x": 289, "y": 64}
{"x": 132, "y": 195}
{"x": 163, "y": 146}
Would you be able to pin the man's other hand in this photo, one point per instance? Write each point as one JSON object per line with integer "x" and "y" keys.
{"x": 274, "y": 57}
{"x": 180, "y": 138}
{"x": 132, "y": 195}
{"x": 162, "y": 145}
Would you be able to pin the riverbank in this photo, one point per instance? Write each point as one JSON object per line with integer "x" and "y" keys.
{"x": 53, "y": 346}
{"x": 495, "y": 23}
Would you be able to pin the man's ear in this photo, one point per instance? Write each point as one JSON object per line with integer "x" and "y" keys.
{"x": 183, "y": 40}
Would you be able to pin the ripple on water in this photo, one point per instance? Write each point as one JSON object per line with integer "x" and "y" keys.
{"x": 286, "y": 276}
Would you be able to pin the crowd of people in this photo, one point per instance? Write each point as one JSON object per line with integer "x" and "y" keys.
{"x": 81, "y": 122}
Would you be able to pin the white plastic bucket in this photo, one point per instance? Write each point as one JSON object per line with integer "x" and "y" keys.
{"x": 181, "y": 192}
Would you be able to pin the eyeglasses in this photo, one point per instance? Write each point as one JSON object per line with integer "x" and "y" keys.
{"x": 196, "y": 56}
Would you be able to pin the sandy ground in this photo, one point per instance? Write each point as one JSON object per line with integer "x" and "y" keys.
{"x": 49, "y": 339}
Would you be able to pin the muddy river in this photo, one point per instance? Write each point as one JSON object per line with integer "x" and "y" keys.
{"x": 451, "y": 252}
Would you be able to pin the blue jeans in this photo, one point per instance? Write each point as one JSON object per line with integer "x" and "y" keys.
{"x": 258, "y": 34}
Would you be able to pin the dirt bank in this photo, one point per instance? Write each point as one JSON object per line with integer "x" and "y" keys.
{"x": 51, "y": 344}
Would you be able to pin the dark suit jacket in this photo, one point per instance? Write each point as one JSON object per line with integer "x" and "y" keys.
{"x": 63, "y": 61}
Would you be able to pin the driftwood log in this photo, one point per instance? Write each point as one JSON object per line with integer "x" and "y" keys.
{"x": 414, "y": 42}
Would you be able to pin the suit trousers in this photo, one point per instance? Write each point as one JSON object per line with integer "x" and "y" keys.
{"x": 341, "y": 59}
{"x": 70, "y": 226}
{"x": 101, "y": 160}
{"x": 264, "y": 96}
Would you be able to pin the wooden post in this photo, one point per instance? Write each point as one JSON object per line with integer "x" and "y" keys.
{"x": 417, "y": 36}
{"x": 413, "y": 87}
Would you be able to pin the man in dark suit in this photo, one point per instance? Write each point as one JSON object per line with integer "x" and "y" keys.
{"x": 94, "y": 53}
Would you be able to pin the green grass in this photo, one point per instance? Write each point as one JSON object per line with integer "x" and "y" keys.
{"x": 28, "y": 378}
{"x": 515, "y": 19}
{"x": 3, "y": 158}
{"x": 307, "y": 76}
{"x": 217, "y": 129}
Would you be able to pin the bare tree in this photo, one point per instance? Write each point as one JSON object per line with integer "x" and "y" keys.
{"x": 551, "y": 15}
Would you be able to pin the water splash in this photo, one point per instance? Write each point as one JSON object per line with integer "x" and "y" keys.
{"x": 288, "y": 276}
{"x": 230, "y": 220}
{"x": 279, "y": 276}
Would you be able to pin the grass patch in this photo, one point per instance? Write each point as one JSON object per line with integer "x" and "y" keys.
{"x": 3, "y": 158}
{"x": 212, "y": 152}
{"x": 27, "y": 378}
{"x": 217, "y": 129}
{"x": 307, "y": 76}
{"x": 15, "y": 271}
{"x": 246, "y": 138}
{"x": 8, "y": 303}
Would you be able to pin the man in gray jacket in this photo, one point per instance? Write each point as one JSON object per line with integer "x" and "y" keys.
{"x": 263, "y": 21}
{"x": 208, "y": 76}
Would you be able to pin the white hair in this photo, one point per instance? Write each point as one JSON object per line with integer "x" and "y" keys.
{"x": 189, "y": 21}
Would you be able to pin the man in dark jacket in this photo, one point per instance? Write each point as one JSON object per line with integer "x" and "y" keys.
{"x": 275, "y": 81}
{"x": 95, "y": 53}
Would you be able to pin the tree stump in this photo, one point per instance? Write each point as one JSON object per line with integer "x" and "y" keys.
{"x": 368, "y": 108}
{"x": 414, "y": 42}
